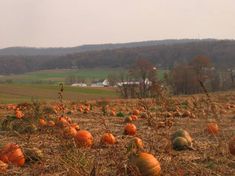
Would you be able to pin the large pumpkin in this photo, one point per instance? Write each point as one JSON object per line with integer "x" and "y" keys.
{"x": 231, "y": 145}
{"x": 147, "y": 164}
{"x": 12, "y": 153}
{"x": 83, "y": 138}
{"x": 108, "y": 138}
{"x": 130, "y": 129}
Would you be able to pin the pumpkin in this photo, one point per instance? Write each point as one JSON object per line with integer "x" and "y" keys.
{"x": 182, "y": 133}
{"x": 231, "y": 145}
{"x": 180, "y": 143}
{"x": 135, "y": 144}
{"x": 3, "y": 167}
{"x": 19, "y": 114}
{"x": 83, "y": 138}
{"x": 62, "y": 121}
{"x": 108, "y": 138}
{"x": 212, "y": 128}
{"x": 130, "y": 129}
{"x": 42, "y": 122}
{"x": 12, "y": 153}
{"x": 134, "y": 117}
{"x": 128, "y": 119}
{"x": 147, "y": 164}
{"x": 113, "y": 113}
{"x": 136, "y": 112}
{"x": 69, "y": 132}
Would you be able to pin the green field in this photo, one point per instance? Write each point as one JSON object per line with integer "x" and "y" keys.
{"x": 16, "y": 93}
{"x": 43, "y": 85}
{"x": 59, "y": 75}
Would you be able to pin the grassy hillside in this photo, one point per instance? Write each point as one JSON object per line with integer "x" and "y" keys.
{"x": 59, "y": 75}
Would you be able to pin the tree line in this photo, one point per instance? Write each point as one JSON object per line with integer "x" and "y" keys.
{"x": 221, "y": 53}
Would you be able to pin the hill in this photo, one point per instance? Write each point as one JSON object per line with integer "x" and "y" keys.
{"x": 31, "y": 51}
{"x": 221, "y": 52}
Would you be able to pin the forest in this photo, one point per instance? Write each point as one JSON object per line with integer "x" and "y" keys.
{"x": 166, "y": 56}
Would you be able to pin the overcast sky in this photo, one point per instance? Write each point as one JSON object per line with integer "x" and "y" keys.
{"x": 53, "y": 23}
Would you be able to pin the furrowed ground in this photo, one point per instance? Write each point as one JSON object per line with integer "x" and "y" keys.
{"x": 54, "y": 152}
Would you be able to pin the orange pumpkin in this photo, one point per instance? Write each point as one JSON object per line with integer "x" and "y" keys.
{"x": 69, "y": 132}
{"x": 12, "y": 153}
{"x": 62, "y": 121}
{"x": 128, "y": 119}
{"x": 147, "y": 164}
{"x": 108, "y": 138}
{"x": 130, "y": 129}
{"x": 134, "y": 117}
{"x": 19, "y": 114}
{"x": 113, "y": 113}
{"x": 231, "y": 145}
{"x": 136, "y": 112}
{"x": 212, "y": 128}
{"x": 83, "y": 138}
{"x": 135, "y": 144}
{"x": 42, "y": 122}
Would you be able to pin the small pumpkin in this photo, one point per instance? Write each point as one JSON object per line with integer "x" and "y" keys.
{"x": 62, "y": 121}
{"x": 83, "y": 138}
{"x": 19, "y": 114}
{"x": 135, "y": 144}
{"x": 69, "y": 131}
{"x": 130, "y": 129}
{"x": 147, "y": 164}
{"x": 128, "y": 119}
{"x": 12, "y": 153}
{"x": 134, "y": 117}
{"x": 42, "y": 122}
{"x": 212, "y": 128}
{"x": 136, "y": 112}
{"x": 113, "y": 113}
{"x": 231, "y": 145}
{"x": 108, "y": 138}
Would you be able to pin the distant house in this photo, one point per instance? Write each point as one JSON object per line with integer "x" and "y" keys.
{"x": 79, "y": 85}
{"x": 147, "y": 82}
{"x": 100, "y": 83}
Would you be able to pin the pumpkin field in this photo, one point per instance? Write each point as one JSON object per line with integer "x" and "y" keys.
{"x": 168, "y": 136}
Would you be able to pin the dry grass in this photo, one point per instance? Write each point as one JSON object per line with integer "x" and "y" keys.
{"x": 62, "y": 157}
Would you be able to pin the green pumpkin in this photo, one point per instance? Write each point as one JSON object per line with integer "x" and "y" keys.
{"x": 182, "y": 133}
{"x": 180, "y": 143}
